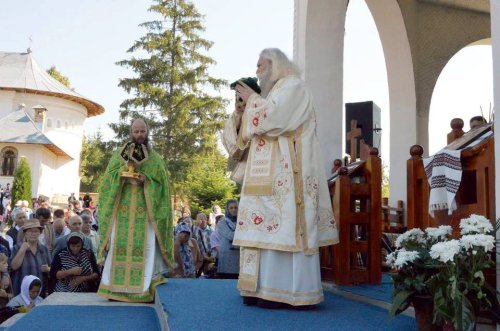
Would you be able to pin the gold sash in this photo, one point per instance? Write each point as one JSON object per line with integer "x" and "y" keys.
{"x": 249, "y": 269}
{"x": 261, "y": 165}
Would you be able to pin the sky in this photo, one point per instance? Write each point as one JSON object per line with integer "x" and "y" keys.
{"x": 84, "y": 39}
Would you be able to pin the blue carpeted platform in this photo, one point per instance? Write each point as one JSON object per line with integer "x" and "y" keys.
{"x": 90, "y": 318}
{"x": 208, "y": 304}
{"x": 382, "y": 292}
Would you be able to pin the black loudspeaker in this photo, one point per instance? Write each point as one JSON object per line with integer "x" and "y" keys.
{"x": 367, "y": 115}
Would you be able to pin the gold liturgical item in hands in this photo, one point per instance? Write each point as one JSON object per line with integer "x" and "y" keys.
{"x": 133, "y": 155}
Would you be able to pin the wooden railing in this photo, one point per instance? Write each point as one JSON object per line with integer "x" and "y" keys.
{"x": 476, "y": 194}
{"x": 356, "y": 198}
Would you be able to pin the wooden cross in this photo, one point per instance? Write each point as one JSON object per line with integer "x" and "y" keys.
{"x": 352, "y": 137}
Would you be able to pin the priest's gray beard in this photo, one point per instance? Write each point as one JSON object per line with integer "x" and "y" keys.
{"x": 266, "y": 81}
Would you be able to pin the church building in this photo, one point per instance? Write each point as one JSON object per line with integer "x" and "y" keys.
{"x": 41, "y": 120}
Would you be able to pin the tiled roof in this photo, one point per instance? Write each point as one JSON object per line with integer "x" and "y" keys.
{"x": 20, "y": 72}
{"x": 17, "y": 127}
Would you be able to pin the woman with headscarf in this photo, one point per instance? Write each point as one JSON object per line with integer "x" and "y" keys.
{"x": 214, "y": 212}
{"x": 186, "y": 252}
{"x": 31, "y": 287}
{"x": 74, "y": 268}
{"x": 229, "y": 255}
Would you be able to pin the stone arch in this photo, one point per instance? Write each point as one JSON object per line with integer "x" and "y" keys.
{"x": 442, "y": 124}
{"x": 402, "y": 97}
{"x": 319, "y": 48}
{"x": 8, "y": 157}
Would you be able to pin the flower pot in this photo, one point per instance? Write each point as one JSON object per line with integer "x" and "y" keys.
{"x": 424, "y": 308}
{"x": 448, "y": 326}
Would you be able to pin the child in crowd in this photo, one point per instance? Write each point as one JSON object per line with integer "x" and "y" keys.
{"x": 31, "y": 287}
{"x": 5, "y": 283}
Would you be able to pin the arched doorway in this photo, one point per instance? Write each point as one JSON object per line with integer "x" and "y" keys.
{"x": 9, "y": 161}
{"x": 464, "y": 89}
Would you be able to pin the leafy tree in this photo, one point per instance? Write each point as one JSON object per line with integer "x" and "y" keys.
{"x": 21, "y": 187}
{"x": 56, "y": 74}
{"x": 386, "y": 190}
{"x": 207, "y": 183}
{"x": 170, "y": 88}
{"x": 94, "y": 159}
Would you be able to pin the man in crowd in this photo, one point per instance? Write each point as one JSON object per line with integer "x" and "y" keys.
{"x": 135, "y": 222}
{"x": 59, "y": 225}
{"x": 19, "y": 217}
{"x": 88, "y": 231}
{"x": 477, "y": 121}
{"x": 72, "y": 199}
{"x": 86, "y": 200}
{"x": 78, "y": 207}
{"x": 285, "y": 212}
{"x": 75, "y": 225}
{"x": 60, "y": 228}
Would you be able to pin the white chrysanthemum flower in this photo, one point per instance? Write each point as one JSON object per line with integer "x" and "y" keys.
{"x": 415, "y": 234}
{"x": 440, "y": 232}
{"x": 390, "y": 258}
{"x": 405, "y": 257}
{"x": 445, "y": 251}
{"x": 475, "y": 224}
{"x": 478, "y": 240}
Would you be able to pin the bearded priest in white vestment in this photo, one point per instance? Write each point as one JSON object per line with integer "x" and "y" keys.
{"x": 285, "y": 213}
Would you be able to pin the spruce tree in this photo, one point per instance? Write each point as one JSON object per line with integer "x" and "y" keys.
{"x": 21, "y": 187}
{"x": 172, "y": 88}
{"x": 208, "y": 185}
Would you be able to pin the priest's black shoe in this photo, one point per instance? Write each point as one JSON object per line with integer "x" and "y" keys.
{"x": 304, "y": 307}
{"x": 250, "y": 301}
{"x": 270, "y": 304}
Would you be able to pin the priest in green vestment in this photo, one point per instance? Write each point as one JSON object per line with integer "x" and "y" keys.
{"x": 135, "y": 221}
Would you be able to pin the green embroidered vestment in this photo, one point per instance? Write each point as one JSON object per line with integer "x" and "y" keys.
{"x": 131, "y": 207}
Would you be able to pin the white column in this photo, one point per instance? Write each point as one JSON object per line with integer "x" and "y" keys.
{"x": 495, "y": 46}
{"x": 402, "y": 98}
{"x": 319, "y": 51}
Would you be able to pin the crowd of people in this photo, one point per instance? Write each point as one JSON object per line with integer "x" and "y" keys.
{"x": 203, "y": 247}
{"x": 45, "y": 250}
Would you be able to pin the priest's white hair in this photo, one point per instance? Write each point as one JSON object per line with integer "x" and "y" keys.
{"x": 281, "y": 65}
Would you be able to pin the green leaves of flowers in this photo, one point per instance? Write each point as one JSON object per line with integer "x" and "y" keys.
{"x": 464, "y": 319}
{"x": 455, "y": 281}
{"x": 400, "y": 302}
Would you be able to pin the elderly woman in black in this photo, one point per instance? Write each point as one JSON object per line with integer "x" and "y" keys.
{"x": 74, "y": 268}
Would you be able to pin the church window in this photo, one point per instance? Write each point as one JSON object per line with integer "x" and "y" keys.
{"x": 58, "y": 124}
{"x": 49, "y": 122}
{"x": 66, "y": 125}
{"x": 9, "y": 161}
